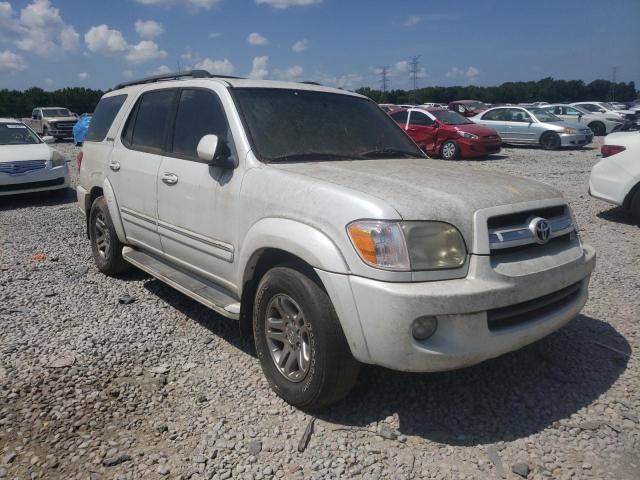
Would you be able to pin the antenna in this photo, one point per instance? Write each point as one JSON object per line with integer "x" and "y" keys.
{"x": 414, "y": 63}
{"x": 384, "y": 80}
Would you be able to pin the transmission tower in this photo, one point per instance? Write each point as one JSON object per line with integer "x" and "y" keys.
{"x": 414, "y": 63}
{"x": 612, "y": 87}
{"x": 384, "y": 80}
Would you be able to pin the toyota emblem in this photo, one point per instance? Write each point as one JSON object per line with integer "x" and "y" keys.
{"x": 540, "y": 229}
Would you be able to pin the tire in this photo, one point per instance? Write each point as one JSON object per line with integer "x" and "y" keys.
{"x": 450, "y": 150}
{"x": 105, "y": 245}
{"x": 324, "y": 370}
{"x": 598, "y": 129}
{"x": 550, "y": 141}
{"x": 634, "y": 207}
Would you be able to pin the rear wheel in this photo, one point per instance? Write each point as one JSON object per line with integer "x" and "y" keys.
{"x": 300, "y": 344}
{"x": 598, "y": 128}
{"x": 550, "y": 141}
{"x": 105, "y": 245}
{"x": 634, "y": 207}
{"x": 450, "y": 150}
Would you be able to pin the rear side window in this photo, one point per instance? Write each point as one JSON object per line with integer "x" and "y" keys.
{"x": 199, "y": 113}
{"x": 147, "y": 121}
{"x": 419, "y": 118}
{"x": 103, "y": 116}
{"x": 400, "y": 117}
{"x": 496, "y": 115}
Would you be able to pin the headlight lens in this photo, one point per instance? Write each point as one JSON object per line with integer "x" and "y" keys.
{"x": 408, "y": 245}
{"x": 569, "y": 130}
{"x": 468, "y": 135}
{"x": 57, "y": 160}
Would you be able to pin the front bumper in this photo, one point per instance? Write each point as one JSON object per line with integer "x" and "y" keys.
{"x": 575, "y": 139}
{"x": 40, "y": 180}
{"x": 476, "y": 148}
{"x": 386, "y": 312}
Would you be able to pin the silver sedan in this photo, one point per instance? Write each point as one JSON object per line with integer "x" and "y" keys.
{"x": 534, "y": 126}
{"x": 598, "y": 123}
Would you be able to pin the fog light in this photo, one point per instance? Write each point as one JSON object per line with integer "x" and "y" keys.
{"x": 424, "y": 327}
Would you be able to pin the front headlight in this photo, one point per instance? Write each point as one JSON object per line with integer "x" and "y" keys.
{"x": 569, "y": 130}
{"x": 57, "y": 159}
{"x": 468, "y": 135}
{"x": 408, "y": 246}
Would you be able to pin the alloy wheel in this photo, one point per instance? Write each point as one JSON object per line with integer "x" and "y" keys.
{"x": 103, "y": 241}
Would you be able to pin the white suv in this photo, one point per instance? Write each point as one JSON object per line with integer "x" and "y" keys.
{"x": 308, "y": 215}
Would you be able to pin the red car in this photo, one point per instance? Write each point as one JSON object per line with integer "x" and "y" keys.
{"x": 468, "y": 108}
{"x": 439, "y": 131}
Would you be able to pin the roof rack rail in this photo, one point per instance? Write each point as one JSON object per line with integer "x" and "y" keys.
{"x": 171, "y": 76}
{"x": 307, "y": 82}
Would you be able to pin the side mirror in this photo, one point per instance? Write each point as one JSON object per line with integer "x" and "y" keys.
{"x": 213, "y": 151}
{"x": 48, "y": 139}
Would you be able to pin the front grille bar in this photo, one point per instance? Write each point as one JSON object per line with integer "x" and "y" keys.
{"x": 516, "y": 236}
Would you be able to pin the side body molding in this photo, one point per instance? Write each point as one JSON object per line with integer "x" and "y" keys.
{"x": 114, "y": 210}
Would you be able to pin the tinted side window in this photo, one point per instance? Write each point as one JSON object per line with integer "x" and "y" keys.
{"x": 590, "y": 106}
{"x": 401, "y": 117}
{"x": 419, "y": 118}
{"x": 103, "y": 116}
{"x": 495, "y": 115}
{"x": 199, "y": 113}
{"x": 150, "y": 116}
{"x": 518, "y": 115}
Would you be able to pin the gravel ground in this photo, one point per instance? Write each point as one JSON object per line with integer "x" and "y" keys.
{"x": 164, "y": 388}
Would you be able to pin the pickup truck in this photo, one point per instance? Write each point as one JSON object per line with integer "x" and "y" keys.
{"x": 306, "y": 214}
{"x": 53, "y": 121}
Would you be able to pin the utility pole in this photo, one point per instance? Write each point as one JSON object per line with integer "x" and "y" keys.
{"x": 414, "y": 63}
{"x": 384, "y": 81}
{"x": 612, "y": 87}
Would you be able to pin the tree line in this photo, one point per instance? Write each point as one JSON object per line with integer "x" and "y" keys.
{"x": 19, "y": 104}
{"x": 547, "y": 89}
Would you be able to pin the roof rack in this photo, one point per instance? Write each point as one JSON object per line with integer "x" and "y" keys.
{"x": 171, "y": 76}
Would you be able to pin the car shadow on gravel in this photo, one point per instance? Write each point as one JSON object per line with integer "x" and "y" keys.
{"x": 616, "y": 214}
{"x": 503, "y": 399}
{"x": 38, "y": 199}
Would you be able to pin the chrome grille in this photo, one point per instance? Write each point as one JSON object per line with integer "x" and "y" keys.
{"x": 17, "y": 168}
{"x": 515, "y": 230}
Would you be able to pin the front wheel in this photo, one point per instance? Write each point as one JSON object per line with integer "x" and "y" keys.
{"x": 300, "y": 344}
{"x": 634, "y": 207}
{"x": 551, "y": 141}
{"x": 450, "y": 150}
{"x": 105, "y": 245}
{"x": 598, "y": 129}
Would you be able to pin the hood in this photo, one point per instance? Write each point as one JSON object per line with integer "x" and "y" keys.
{"x": 61, "y": 119}
{"x": 625, "y": 112}
{"x": 480, "y": 130}
{"x": 16, "y": 153}
{"x": 423, "y": 189}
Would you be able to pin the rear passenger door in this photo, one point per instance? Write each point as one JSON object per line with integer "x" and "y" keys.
{"x": 134, "y": 165}
{"x": 197, "y": 203}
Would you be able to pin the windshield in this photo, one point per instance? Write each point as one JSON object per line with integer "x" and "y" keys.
{"x": 56, "y": 112}
{"x": 543, "y": 115}
{"x": 474, "y": 106}
{"x": 450, "y": 118}
{"x": 17, "y": 134}
{"x": 298, "y": 125}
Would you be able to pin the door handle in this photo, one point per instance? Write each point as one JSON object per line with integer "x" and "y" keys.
{"x": 115, "y": 166}
{"x": 169, "y": 178}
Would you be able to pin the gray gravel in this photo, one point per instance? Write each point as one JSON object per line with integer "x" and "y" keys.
{"x": 163, "y": 388}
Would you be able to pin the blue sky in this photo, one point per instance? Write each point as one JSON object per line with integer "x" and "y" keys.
{"x": 56, "y": 43}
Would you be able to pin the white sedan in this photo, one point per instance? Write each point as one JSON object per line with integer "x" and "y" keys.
{"x": 27, "y": 164}
{"x": 616, "y": 178}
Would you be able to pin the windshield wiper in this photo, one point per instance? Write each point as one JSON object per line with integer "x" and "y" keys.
{"x": 389, "y": 152}
{"x": 311, "y": 157}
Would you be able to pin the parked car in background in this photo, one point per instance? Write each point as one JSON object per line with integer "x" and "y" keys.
{"x": 27, "y": 164}
{"x": 607, "y": 109}
{"x": 441, "y": 132}
{"x": 80, "y": 128}
{"x": 467, "y": 108}
{"x": 332, "y": 246}
{"x": 54, "y": 121}
{"x": 534, "y": 126}
{"x": 388, "y": 107}
{"x": 616, "y": 177}
{"x": 599, "y": 124}
{"x": 432, "y": 105}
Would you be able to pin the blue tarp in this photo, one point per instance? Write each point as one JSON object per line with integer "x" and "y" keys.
{"x": 80, "y": 129}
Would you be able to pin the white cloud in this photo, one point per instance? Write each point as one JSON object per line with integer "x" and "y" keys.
{"x": 290, "y": 74}
{"x": 469, "y": 74}
{"x": 11, "y": 62}
{"x": 127, "y": 73}
{"x": 288, "y": 3}
{"x": 412, "y": 20}
{"x": 256, "y": 39}
{"x": 193, "y": 4}
{"x": 349, "y": 81}
{"x": 215, "y": 34}
{"x": 259, "y": 68}
{"x": 401, "y": 67}
{"x": 83, "y": 76}
{"x": 149, "y": 29}
{"x": 219, "y": 67}
{"x": 162, "y": 69}
{"x": 300, "y": 45}
{"x": 144, "y": 51}
{"x": 39, "y": 29}
{"x": 190, "y": 57}
{"x": 106, "y": 41}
